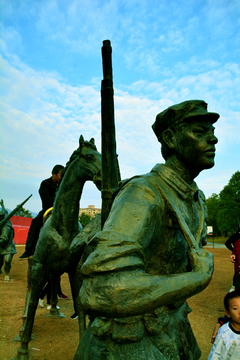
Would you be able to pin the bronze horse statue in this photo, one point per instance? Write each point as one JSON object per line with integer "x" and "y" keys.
{"x": 52, "y": 254}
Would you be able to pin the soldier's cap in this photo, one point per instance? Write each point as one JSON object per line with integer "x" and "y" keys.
{"x": 189, "y": 110}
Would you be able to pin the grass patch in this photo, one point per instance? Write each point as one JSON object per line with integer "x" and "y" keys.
{"x": 217, "y": 239}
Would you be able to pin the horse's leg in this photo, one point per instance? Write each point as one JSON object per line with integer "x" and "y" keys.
{"x": 54, "y": 289}
{"x": 38, "y": 279}
{"x": 75, "y": 288}
{"x": 1, "y": 262}
{"x": 28, "y": 294}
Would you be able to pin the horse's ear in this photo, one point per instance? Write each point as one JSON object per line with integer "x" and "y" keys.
{"x": 81, "y": 140}
{"x": 92, "y": 141}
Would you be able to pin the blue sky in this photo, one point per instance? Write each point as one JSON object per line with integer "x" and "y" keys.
{"x": 164, "y": 52}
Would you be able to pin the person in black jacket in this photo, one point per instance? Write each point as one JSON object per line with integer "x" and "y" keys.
{"x": 47, "y": 192}
{"x": 230, "y": 243}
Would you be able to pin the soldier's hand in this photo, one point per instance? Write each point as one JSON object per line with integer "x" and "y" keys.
{"x": 201, "y": 260}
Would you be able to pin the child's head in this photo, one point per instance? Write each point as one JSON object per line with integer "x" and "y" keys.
{"x": 232, "y": 306}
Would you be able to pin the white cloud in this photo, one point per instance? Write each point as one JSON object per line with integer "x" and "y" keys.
{"x": 161, "y": 56}
{"x": 12, "y": 39}
{"x": 49, "y": 113}
{"x": 41, "y": 116}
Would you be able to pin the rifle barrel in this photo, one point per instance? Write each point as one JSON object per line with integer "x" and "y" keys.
{"x": 5, "y": 220}
{"x": 110, "y": 173}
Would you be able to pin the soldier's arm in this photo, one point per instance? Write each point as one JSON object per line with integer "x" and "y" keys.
{"x": 115, "y": 283}
{"x": 5, "y": 234}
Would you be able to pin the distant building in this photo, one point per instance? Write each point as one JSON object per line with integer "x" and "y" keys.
{"x": 90, "y": 210}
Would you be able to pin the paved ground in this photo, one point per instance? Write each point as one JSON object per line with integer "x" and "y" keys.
{"x": 215, "y": 245}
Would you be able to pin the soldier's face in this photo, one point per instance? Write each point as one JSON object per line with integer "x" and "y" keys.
{"x": 196, "y": 144}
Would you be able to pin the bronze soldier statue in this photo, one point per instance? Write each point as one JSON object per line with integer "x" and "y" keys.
{"x": 139, "y": 270}
{"x": 7, "y": 246}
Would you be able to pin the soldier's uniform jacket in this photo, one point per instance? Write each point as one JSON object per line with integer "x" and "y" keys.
{"x": 153, "y": 220}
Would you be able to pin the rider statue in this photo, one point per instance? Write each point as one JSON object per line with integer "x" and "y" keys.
{"x": 7, "y": 246}
{"x": 139, "y": 270}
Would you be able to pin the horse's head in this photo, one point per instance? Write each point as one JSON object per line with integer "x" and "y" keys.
{"x": 91, "y": 161}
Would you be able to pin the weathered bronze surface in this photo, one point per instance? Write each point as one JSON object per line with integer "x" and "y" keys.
{"x": 53, "y": 255}
{"x": 7, "y": 246}
{"x": 148, "y": 259}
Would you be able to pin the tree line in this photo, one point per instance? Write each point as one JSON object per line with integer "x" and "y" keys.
{"x": 23, "y": 212}
{"x": 224, "y": 209}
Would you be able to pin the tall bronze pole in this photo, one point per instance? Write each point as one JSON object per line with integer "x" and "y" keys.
{"x": 110, "y": 172}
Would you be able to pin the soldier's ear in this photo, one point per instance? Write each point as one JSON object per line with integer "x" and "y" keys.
{"x": 169, "y": 137}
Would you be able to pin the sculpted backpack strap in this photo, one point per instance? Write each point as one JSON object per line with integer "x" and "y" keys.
{"x": 174, "y": 210}
{"x": 192, "y": 242}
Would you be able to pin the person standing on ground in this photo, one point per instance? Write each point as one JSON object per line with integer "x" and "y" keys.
{"x": 235, "y": 258}
{"x": 230, "y": 245}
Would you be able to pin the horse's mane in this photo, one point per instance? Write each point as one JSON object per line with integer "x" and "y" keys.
{"x": 75, "y": 154}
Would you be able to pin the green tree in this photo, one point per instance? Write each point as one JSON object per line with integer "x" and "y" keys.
{"x": 23, "y": 212}
{"x": 213, "y": 207}
{"x": 85, "y": 219}
{"x": 229, "y": 205}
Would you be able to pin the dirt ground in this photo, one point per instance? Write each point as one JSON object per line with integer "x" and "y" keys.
{"x": 58, "y": 338}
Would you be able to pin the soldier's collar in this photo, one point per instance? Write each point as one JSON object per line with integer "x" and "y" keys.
{"x": 177, "y": 183}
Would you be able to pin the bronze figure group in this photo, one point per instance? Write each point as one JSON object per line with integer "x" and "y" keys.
{"x": 133, "y": 272}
